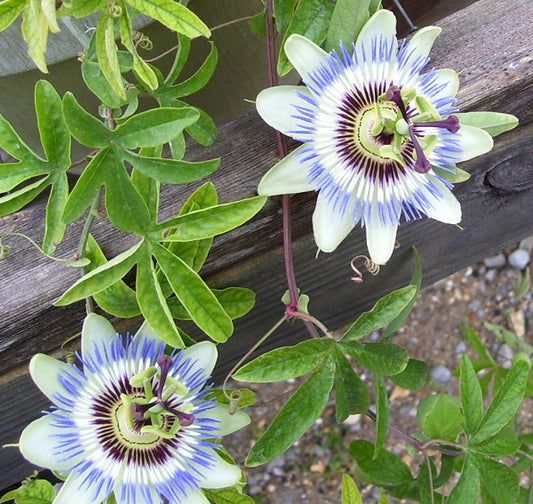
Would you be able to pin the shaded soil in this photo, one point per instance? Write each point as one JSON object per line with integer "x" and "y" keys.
{"x": 311, "y": 471}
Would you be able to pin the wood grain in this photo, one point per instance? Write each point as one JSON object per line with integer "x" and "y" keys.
{"x": 485, "y": 42}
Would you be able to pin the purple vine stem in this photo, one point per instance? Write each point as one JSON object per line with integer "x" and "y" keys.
{"x": 292, "y": 307}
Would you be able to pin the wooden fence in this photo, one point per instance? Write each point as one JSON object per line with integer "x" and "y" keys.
{"x": 488, "y": 43}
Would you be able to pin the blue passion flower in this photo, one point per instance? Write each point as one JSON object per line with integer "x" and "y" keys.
{"x": 135, "y": 422}
{"x": 379, "y": 137}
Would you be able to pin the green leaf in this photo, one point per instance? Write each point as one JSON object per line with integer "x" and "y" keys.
{"x": 505, "y": 403}
{"x": 106, "y": 52}
{"x": 383, "y": 312}
{"x": 10, "y": 203}
{"x": 95, "y": 79}
{"x": 212, "y": 221}
{"x": 35, "y": 33}
{"x": 523, "y": 284}
{"x": 380, "y": 357}
{"x": 201, "y": 304}
{"x": 413, "y": 377}
{"x": 9, "y": 11}
{"x": 283, "y": 12}
{"x": 83, "y": 126}
{"x": 296, "y": 417}
{"x": 173, "y": 15}
{"x": 384, "y": 469}
{"x": 311, "y": 19}
{"x": 34, "y": 492}
{"x": 53, "y": 131}
{"x": 285, "y": 363}
{"x": 500, "y": 481}
{"x": 171, "y": 171}
{"x": 153, "y": 304}
{"x": 350, "y": 492}
{"x": 142, "y": 70}
{"x": 416, "y": 280}
{"x": 440, "y": 417}
{"x": 351, "y": 394}
{"x": 118, "y": 299}
{"x": 180, "y": 59}
{"x": 236, "y": 301}
{"x": 478, "y": 347}
{"x": 348, "y": 17}
{"x": 505, "y": 442}
{"x": 382, "y": 412}
{"x": 199, "y": 79}
{"x": 125, "y": 206}
{"x": 493, "y": 123}
{"x": 82, "y": 8}
{"x": 102, "y": 277}
{"x": 54, "y": 225}
{"x": 154, "y": 127}
{"x": 227, "y": 496}
{"x": 471, "y": 396}
{"x": 49, "y": 11}
{"x": 467, "y": 488}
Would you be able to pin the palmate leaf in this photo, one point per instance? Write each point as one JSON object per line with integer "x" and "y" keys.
{"x": 81, "y": 8}
{"x": 55, "y": 141}
{"x": 351, "y": 394}
{"x": 107, "y": 54}
{"x": 35, "y": 28}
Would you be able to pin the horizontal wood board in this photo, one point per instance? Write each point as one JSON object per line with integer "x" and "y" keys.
{"x": 484, "y": 42}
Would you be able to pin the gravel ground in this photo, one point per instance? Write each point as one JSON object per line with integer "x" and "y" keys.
{"x": 311, "y": 471}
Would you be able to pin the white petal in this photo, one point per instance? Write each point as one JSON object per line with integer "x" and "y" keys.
{"x": 473, "y": 142}
{"x": 288, "y": 176}
{"x": 227, "y": 423}
{"x": 417, "y": 50}
{"x": 96, "y": 331}
{"x": 330, "y": 227}
{"x": 38, "y": 444}
{"x": 446, "y": 209}
{"x": 276, "y": 107}
{"x": 204, "y": 357}
{"x": 443, "y": 85}
{"x": 381, "y": 26}
{"x": 73, "y": 491}
{"x": 221, "y": 475}
{"x": 197, "y": 497}
{"x": 380, "y": 240}
{"x": 304, "y": 55}
{"x": 45, "y": 371}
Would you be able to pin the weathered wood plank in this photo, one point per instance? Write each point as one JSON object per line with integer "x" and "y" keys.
{"x": 496, "y": 73}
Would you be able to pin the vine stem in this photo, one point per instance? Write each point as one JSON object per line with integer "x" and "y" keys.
{"x": 292, "y": 307}
{"x": 435, "y": 443}
{"x": 250, "y": 352}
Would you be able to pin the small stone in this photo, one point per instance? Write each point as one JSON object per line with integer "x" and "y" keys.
{"x": 506, "y": 352}
{"x": 441, "y": 374}
{"x": 519, "y": 258}
{"x": 518, "y": 321}
{"x": 496, "y": 261}
{"x": 460, "y": 348}
{"x": 527, "y": 244}
{"x": 490, "y": 275}
{"x": 317, "y": 468}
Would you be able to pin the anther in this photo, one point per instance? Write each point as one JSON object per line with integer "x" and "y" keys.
{"x": 451, "y": 123}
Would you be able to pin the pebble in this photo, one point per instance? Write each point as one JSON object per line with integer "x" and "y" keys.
{"x": 496, "y": 261}
{"x": 506, "y": 352}
{"x": 441, "y": 374}
{"x": 519, "y": 258}
{"x": 527, "y": 244}
{"x": 460, "y": 348}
